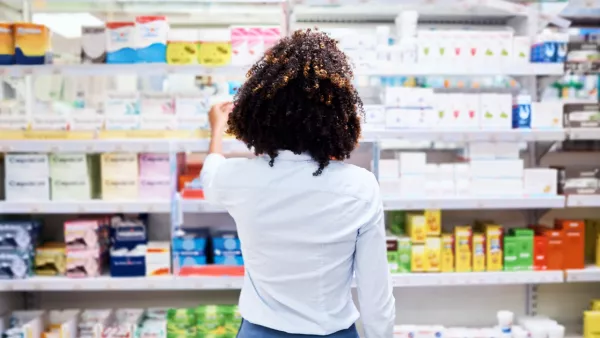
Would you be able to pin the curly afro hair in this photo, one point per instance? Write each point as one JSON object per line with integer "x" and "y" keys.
{"x": 299, "y": 97}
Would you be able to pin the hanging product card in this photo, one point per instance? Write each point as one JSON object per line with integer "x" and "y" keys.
{"x": 583, "y": 58}
{"x": 582, "y": 115}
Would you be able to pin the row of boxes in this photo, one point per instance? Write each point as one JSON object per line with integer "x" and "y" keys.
{"x": 18, "y": 240}
{"x": 489, "y": 248}
{"x": 194, "y": 248}
{"x": 421, "y": 108}
{"x": 485, "y": 174}
{"x": 81, "y": 177}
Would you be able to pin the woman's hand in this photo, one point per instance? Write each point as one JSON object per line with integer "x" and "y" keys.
{"x": 218, "y": 115}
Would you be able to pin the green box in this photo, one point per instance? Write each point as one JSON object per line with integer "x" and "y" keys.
{"x": 396, "y": 221}
{"x": 404, "y": 252}
{"x": 221, "y": 321}
{"x": 511, "y": 253}
{"x": 524, "y": 238}
{"x": 392, "y": 253}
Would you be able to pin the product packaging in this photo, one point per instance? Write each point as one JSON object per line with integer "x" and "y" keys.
{"x": 417, "y": 258}
{"x": 404, "y": 255}
{"x": 84, "y": 263}
{"x": 573, "y": 234}
{"x": 392, "y": 253}
{"x": 32, "y": 44}
{"x": 120, "y": 42}
{"x": 50, "y": 259}
{"x": 447, "y": 258}
{"x": 433, "y": 222}
{"x": 479, "y": 248}
{"x": 433, "y": 253}
{"x": 493, "y": 252}
{"x": 93, "y": 44}
{"x": 7, "y": 44}
{"x": 416, "y": 228}
{"x": 182, "y": 47}
{"x": 16, "y": 264}
{"x": 462, "y": 248}
{"x": 151, "y": 38}
{"x": 521, "y": 112}
{"x": 540, "y": 247}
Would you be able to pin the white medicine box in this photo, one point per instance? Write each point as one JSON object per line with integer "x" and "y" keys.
{"x": 26, "y": 165}
{"x": 496, "y": 111}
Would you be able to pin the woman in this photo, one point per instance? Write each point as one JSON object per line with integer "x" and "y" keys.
{"x": 306, "y": 220}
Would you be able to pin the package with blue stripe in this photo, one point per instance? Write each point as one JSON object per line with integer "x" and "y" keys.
{"x": 15, "y": 264}
{"x": 189, "y": 250}
{"x": 226, "y": 248}
{"x": 18, "y": 235}
{"x": 129, "y": 245}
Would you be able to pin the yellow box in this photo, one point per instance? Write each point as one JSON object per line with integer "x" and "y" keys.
{"x": 478, "y": 245}
{"x": 462, "y": 248}
{"x": 122, "y": 165}
{"x": 433, "y": 254}
{"x": 595, "y": 305}
{"x": 433, "y": 222}
{"x": 417, "y": 258}
{"x": 120, "y": 189}
{"x": 447, "y": 253}
{"x": 415, "y": 226}
{"x": 598, "y": 250}
{"x": 591, "y": 324}
{"x": 493, "y": 247}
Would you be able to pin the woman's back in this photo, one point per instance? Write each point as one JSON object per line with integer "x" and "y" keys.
{"x": 307, "y": 221}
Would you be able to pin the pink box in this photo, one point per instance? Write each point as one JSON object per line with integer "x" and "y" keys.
{"x": 271, "y": 36}
{"x": 155, "y": 188}
{"x": 154, "y": 165}
{"x": 240, "y": 53}
{"x": 85, "y": 234}
{"x": 84, "y": 263}
{"x": 256, "y": 44}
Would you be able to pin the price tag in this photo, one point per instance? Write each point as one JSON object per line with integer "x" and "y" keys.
{"x": 120, "y": 208}
{"x": 54, "y": 149}
{"x": 151, "y": 286}
{"x": 118, "y": 148}
{"x": 198, "y": 285}
{"x": 2, "y": 71}
{"x": 80, "y": 209}
{"x": 89, "y": 149}
{"x": 27, "y": 71}
{"x": 150, "y": 208}
{"x": 35, "y": 209}
{"x": 37, "y": 286}
{"x": 77, "y": 286}
{"x": 480, "y": 205}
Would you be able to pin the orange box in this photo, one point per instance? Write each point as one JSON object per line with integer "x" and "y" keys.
{"x": 573, "y": 236}
{"x": 555, "y": 249}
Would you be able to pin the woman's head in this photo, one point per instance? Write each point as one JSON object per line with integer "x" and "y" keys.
{"x": 299, "y": 97}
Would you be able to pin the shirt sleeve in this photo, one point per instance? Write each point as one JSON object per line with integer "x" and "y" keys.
{"x": 374, "y": 284}
{"x": 210, "y": 169}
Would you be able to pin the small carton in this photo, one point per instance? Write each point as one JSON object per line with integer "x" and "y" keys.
{"x": 511, "y": 253}
{"x": 540, "y": 246}
{"x": 433, "y": 222}
{"x": 447, "y": 264}
{"x": 493, "y": 252}
{"x": 462, "y": 248}
{"x": 417, "y": 258}
{"x": 404, "y": 254}
{"x": 433, "y": 253}
{"x": 525, "y": 243}
{"x": 416, "y": 228}
{"x": 478, "y": 252}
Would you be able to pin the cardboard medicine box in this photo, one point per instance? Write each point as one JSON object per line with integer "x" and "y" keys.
{"x": 493, "y": 247}
{"x": 462, "y": 248}
{"x": 478, "y": 245}
{"x": 433, "y": 222}
{"x": 447, "y": 264}
{"x": 404, "y": 254}
{"x": 433, "y": 253}
{"x": 416, "y": 228}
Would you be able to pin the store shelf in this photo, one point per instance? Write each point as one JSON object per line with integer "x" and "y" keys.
{"x": 122, "y": 284}
{"x": 584, "y": 133}
{"x": 199, "y": 206}
{"x": 116, "y": 145}
{"x": 84, "y": 207}
{"x": 477, "y": 278}
{"x": 583, "y": 201}
{"x": 121, "y": 69}
{"x": 465, "y": 135}
{"x": 589, "y": 274}
{"x": 235, "y": 283}
{"x": 387, "y": 70}
{"x": 476, "y": 202}
{"x": 463, "y": 68}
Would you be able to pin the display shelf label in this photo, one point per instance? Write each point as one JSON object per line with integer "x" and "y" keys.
{"x": 151, "y": 134}
{"x": 45, "y": 135}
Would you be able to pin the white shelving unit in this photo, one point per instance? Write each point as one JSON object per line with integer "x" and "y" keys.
{"x": 438, "y": 294}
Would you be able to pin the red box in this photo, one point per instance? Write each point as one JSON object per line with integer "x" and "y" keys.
{"x": 540, "y": 246}
{"x": 554, "y": 249}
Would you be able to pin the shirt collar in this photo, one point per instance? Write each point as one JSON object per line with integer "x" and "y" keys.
{"x": 287, "y": 155}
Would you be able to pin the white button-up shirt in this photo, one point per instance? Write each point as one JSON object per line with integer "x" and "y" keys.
{"x": 302, "y": 238}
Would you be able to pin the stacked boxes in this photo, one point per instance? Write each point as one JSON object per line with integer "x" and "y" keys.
{"x": 158, "y": 259}
{"x": 71, "y": 177}
{"x": 119, "y": 176}
{"x": 18, "y": 240}
{"x": 27, "y": 177}
{"x": 129, "y": 243}
{"x": 86, "y": 243}
{"x": 50, "y": 259}
{"x": 155, "y": 181}
{"x": 226, "y": 248}
{"x": 189, "y": 251}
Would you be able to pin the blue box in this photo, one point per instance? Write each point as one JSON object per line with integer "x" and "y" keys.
{"x": 128, "y": 266}
{"x": 226, "y": 241}
{"x": 190, "y": 240}
{"x": 189, "y": 258}
{"x": 129, "y": 236}
{"x": 521, "y": 112}
{"x": 232, "y": 260}
{"x": 15, "y": 264}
